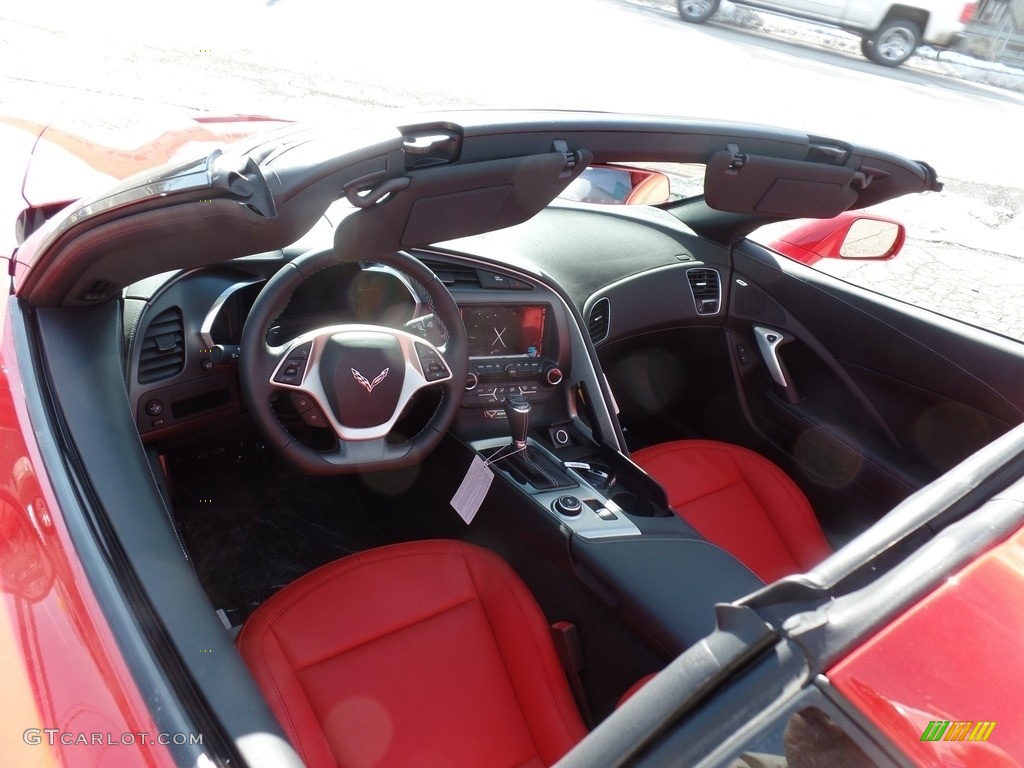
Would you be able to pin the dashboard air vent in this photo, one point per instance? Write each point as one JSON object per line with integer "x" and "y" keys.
{"x": 706, "y": 289}
{"x": 452, "y": 275}
{"x": 599, "y": 320}
{"x": 163, "y": 347}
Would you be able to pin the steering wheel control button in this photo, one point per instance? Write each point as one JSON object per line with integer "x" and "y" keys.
{"x": 293, "y": 369}
{"x": 568, "y": 506}
{"x": 314, "y": 417}
{"x": 434, "y": 368}
{"x": 302, "y": 402}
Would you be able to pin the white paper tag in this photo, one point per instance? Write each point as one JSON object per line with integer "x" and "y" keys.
{"x": 474, "y": 487}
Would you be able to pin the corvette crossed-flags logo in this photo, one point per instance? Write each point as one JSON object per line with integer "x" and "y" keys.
{"x": 366, "y": 382}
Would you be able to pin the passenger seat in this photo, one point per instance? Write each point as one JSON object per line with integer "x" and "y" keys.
{"x": 740, "y": 501}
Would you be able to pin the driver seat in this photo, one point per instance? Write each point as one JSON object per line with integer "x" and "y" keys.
{"x": 421, "y": 653}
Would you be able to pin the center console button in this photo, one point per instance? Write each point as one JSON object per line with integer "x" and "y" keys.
{"x": 568, "y": 505}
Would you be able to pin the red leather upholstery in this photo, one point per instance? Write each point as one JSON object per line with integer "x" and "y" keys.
{"x": 740, "y": 501}
{"x": 427, "y": 654}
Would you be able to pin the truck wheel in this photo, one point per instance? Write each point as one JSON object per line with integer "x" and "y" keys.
{"x": 696, "y": 11}
{"x": 893, "y": 43}
{"x": 866, "y": 44}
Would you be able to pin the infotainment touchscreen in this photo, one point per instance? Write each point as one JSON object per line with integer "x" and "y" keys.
{"x": 505, "y": 330}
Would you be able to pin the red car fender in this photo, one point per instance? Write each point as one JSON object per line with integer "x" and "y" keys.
{"x": 68, "y": 696}
{"x": 953, "y": 657}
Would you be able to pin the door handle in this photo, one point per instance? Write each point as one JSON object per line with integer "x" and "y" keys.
{"x": 768, "y": 342}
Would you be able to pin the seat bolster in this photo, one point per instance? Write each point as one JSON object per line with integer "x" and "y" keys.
{"x": 276, "y": 677}
{"x": 523, "y": 636}
{"x": 790, "y": 511}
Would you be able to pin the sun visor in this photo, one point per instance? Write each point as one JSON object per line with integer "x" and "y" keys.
{"x": 752, "y": 184}
{"x": 456, "y": 201}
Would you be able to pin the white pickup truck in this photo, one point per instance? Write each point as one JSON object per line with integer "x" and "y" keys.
{"x": 889, "y": 31}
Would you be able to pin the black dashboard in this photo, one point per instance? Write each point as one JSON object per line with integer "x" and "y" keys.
{"x": 533, "y": 298}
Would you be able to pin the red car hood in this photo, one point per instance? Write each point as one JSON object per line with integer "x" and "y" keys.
{"x": 50, "y": 163}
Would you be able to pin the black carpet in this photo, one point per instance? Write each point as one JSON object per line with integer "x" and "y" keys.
{"x": 253, "y": 525}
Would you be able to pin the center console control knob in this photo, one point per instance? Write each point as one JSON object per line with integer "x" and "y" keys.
{"x": 568, "y": 505}
{"x": 471, "y": 381}
{"x": 552, "y": 375}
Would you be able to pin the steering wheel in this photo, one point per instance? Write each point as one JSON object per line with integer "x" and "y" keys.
{"x": 355, "y": 379}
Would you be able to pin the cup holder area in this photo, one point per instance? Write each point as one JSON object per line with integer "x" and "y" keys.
{"x": 639, "y": 506}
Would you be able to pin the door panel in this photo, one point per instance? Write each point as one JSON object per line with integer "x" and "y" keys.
{"x": 881, "y": 397}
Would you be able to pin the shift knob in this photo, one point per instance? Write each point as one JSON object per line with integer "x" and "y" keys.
{"x": 517, "y": 408}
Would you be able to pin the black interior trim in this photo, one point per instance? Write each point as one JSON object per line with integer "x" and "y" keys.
{"x": 667, "y": 583}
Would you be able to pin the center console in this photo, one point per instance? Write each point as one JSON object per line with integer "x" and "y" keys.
{"x": 536, "y": 410}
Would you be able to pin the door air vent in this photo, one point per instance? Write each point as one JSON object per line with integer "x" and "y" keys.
{"x": 599, "y": 320}
{"x": 163, "y": 347}
{"x": 706, "y": 289}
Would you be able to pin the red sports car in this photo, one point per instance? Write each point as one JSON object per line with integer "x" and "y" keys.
{"x": 360, "y": 445}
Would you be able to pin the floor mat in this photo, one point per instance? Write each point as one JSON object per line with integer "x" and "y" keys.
{"x": 253, "y": 525}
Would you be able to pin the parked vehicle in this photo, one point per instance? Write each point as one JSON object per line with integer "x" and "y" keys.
{"x": 358, "y": 445}
{"x": 889, "y": 32}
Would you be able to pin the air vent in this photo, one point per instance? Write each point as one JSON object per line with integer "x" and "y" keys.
{"x": 163, "y": 347}
{"x": 453, "y": 276}
{"x": 706, "y": 290}
{"x": 599, "y": 320}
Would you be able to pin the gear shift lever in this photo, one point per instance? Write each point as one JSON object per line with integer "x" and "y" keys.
{"x": 536, "y": 470}
{"x": 517, "y": 409}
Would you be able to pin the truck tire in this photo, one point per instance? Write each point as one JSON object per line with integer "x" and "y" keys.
{"x": 893, "y": 43}
{"x": 696, "y": 11}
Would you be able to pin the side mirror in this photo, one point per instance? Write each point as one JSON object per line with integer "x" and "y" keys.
{"x": 852, "y": 235}
{"x": 618, "y": 185}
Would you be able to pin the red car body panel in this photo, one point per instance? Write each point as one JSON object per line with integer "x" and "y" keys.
{"x": 928, "y": 665}
{"x": 59, "y": 662}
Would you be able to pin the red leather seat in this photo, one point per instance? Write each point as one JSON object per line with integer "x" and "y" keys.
{"x": 740, "y": 501}
{"x": 427, "y": 654}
